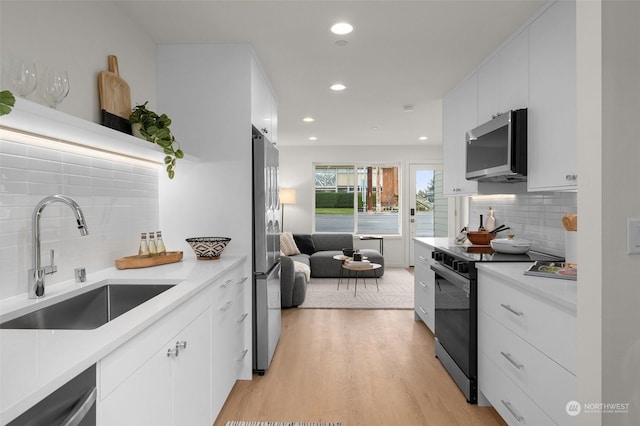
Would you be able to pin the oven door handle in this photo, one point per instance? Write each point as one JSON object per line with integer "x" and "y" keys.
{"x": 452, "y": 277}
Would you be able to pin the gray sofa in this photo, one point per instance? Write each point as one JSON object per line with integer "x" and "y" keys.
{"x": 317, "y": 251}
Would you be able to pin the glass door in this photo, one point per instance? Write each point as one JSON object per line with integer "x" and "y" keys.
{"x": 428, "y": 208}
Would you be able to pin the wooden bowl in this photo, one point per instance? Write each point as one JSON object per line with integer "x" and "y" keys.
{"x": 481, "y": 238}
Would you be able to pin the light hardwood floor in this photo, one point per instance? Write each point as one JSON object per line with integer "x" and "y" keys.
{"x": 358, "y": 367}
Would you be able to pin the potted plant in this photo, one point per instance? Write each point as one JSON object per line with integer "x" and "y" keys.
{"x": 7, "y": 100}
{"x": 155, "y": 129}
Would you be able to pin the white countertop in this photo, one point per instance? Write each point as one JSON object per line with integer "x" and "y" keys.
{"x": 561, "y": 292}
{"x": 434, "y": 242}
{"x": 34, "y": 363}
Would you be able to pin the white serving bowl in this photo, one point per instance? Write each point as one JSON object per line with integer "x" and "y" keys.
{"x": 510, "y": 245}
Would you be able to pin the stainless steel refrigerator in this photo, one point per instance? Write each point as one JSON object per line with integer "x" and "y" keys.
{"x": 266, "y": 252}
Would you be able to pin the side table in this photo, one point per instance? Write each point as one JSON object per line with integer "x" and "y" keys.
{"x": 361, "y": 268}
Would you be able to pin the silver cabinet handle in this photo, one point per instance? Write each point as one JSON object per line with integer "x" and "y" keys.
{"x": 423, "y": 311}
{"x": 571, "y": 177}
{"x": 512, "y": 361}
{"x": 182, "y": 344}
{"x": 242, "y": 355}
{"x": 81, "y": 409}
{"x": 226, "y": 306}
{"x": 423, "y": 258}
{"x": 422, "y": 284}
{"x": 226, "y": 284}
{"x": 510, "y": 309}
{"x": 243, "y": 317}
{"x": 173, "y": 352}
{"x": 513, "y": 412}
{"x": 242, "y": 280}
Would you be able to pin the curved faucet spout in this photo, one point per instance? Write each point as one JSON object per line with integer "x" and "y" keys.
{"x": 37, "y": 274}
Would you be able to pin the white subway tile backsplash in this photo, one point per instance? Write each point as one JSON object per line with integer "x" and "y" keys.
{"x": 534, "y": 216}
{"x": 119, "y": 200}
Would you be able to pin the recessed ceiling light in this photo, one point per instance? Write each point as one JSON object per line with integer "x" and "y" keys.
{"x": 423, "y": 138}
{"x": 408, "y": 108}
{"x": 342, "y": 28}
{"x": 338, "y": 87}
{"x": 308, "y": 119}
{"x": 341, "y": 43}
{"x": 313, "y": 138}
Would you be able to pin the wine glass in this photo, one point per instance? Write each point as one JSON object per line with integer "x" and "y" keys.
{"x": 54, "y": 86}
{"x": 22, "y": 77}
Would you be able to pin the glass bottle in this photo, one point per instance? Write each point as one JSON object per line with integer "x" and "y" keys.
{"x": 153, "y": 249}
{"x": 162, "y": 250}
{"x": 143, "y": 251}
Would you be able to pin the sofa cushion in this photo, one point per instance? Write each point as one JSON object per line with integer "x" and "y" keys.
{"x": 334, "y": 242}
{"x": 323, "y": 265}
{"x": 305, "y": 243}
{"x": 288, "y": 245}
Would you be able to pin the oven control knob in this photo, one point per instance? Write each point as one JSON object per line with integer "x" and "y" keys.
{"x": 462, "y": 267}
{"x": 437, "y": 256}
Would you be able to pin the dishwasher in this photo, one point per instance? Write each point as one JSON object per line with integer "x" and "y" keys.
{"x": 72, "y": 404}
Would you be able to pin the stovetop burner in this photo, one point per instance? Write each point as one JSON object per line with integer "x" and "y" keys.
{"x": 477, "y": 253}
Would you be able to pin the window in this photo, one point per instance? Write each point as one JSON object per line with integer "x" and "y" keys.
{"x": 359, "y": 199}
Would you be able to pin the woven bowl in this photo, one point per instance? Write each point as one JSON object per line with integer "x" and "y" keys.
{"x": 481, "y": 238}
{"x": 208, "y": 248}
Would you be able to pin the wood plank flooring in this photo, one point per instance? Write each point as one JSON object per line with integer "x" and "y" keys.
{"x": 358, "y": 367}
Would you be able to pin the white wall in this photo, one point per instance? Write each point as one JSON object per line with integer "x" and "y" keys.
{"x": 78, "y": 36}
{"x": 608, "y": 158}
{"x": 297, "y": 171}
{"x": 120, "y": 200}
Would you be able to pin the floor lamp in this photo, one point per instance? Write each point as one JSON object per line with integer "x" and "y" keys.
{"x": 287, "y": 196}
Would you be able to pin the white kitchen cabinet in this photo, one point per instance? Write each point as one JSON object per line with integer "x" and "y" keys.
{"x": 227, "y": 306}
{"x": 424, "y": 285}
{"x": 172, "y": 387}
{"x": 503, "y": 81}
{"x": 145, "y": 381}
{"x": 526, "y": 353}
{"x": 552, "y": 99}
{"x": 460, "y": 114}
{"x": 263, "y": 103}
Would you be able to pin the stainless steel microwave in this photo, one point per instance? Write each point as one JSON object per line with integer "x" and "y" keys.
{"x": 497, "y": 150}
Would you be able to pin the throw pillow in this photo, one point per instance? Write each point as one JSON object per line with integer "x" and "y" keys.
{"x": 302, "y": 267}
{"x": 288, "y": 245}
{"x": 304, "y": 243}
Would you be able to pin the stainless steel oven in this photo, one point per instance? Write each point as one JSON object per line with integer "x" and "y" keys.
{"x": 456, "y": 321}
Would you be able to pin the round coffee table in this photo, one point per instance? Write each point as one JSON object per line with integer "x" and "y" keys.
{"x": 360, "y": 268}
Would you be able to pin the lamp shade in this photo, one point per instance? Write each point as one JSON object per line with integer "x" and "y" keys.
{"x": 287, "y": 196}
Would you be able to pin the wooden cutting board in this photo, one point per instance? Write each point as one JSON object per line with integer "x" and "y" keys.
{"x": 115, "y": 95}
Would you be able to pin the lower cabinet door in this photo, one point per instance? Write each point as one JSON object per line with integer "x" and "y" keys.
{"x": 192, "y": 373}
{"x": 144, "y": 398}
{"x": 171, "y": 388}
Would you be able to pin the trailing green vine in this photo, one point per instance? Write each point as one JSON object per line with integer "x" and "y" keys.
{"x": 155, "y": 129}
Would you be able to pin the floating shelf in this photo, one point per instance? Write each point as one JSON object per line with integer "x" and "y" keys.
{"x": 38, "y": 120}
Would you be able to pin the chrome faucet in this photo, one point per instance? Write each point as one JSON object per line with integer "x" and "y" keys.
{"x": 37, "y": 274}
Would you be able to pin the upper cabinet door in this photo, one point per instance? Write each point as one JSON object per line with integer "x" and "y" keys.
{"x": 460, "y": 114}
{"x": 262, "y": 102}
{"x": 503, "y": 82}
{"x": 552, "y": 99}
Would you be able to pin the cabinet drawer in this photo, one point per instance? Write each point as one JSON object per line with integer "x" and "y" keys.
{"x": 515, "y": 407}
{"x": 549, "y": 328}
{"x": 541, "y": 378}
{"x": 424, "y": 303}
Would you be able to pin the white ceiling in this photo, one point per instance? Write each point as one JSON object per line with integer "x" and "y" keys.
{"x": 400, "y": 53}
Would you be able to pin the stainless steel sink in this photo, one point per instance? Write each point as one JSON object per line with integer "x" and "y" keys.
{"x": 89, "y": 310}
